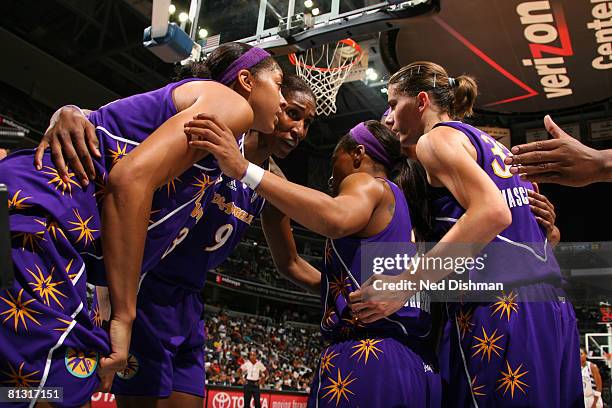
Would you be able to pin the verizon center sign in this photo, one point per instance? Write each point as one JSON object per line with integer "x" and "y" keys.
{"x": 526, "y": 55}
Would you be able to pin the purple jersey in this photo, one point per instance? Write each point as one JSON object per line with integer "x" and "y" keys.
{"x": 51, "y": 332}
{"x": 230, "y": 211}
{"x": 377, "y": 365}
{"x": 177, "y": 206}
{"x": 525, "y": 242}
{"x": 342, "y": 275}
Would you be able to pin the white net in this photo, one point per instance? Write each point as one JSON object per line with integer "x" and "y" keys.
{"x": 325, "y": 69}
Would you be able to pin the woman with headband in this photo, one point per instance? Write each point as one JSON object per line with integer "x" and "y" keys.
{"x": 149, "y": 194}
{"x": 370, "y": 365}
{"x": 517, "y": 347}
{"x": 155, "y": 370}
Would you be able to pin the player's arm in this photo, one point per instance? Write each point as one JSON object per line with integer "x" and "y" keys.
{"x": 444, "y": 153}
{"x": 332, "y": 217}
{"x": 73, "y": 141}
{"x": 290, "y": 265}
{"x": 598, "y": 382}
{"x": 277, "y": 229}
{"x": 164, "y": 155}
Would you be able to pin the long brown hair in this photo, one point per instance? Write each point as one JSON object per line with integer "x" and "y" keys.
{"x": 455, "y": 96}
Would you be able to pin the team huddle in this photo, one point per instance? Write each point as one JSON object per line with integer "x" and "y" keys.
{"x": 174, "y": 180}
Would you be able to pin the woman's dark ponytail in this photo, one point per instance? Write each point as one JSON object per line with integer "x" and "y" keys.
{"x": 411, "y": 177}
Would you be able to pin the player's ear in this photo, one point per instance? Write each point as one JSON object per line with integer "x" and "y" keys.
{"x": 245, "y": 80}
{"x": 358, "y": 155}
{"x": 422, "y": 101}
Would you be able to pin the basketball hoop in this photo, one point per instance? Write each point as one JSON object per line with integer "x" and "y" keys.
{"x": 608, "y": 359}
{"x": 325, "y": 69}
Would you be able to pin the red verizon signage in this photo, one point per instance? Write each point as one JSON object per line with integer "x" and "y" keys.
{"x": 527, "y": 55}
{"x": 224, "y": 398}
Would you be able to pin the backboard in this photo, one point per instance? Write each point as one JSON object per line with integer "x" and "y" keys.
{"x": 597, "y": 345}
{"x": 285, "y": 26}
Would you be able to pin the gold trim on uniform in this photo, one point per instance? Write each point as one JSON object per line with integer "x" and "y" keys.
{"x": 339, "y": 387}
{"x": 511, "y": 379}
{"x": 486, "y": 344}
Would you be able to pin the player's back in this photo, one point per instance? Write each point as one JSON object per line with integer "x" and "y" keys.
{"x": 522, "y": 247}
{"x": 177, "y": 206}
{"x": 343, "y": 273}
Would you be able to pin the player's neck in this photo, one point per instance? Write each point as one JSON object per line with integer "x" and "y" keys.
{"x": 432, "y": 117}
{"x": 255, "y": 149}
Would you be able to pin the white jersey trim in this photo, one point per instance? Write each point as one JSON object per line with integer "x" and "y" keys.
{"x": 60, "y": 341}
{"x": 543, "y": 258}
{"x": 133, "y": 143}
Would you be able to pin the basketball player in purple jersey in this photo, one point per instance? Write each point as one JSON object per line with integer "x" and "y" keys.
{"x": 378, "y": 365}
{"x": 138, "y": 207}
{"x": 169, "y": 302}
{"x": 160, "y": 365}
{"x": 541, "y": 207}
{"x": 512, "y": 351}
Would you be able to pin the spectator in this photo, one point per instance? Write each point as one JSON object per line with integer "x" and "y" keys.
{"x": 287, "y": 352}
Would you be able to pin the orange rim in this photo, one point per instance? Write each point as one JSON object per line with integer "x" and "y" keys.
{"x": 346, "y": 41}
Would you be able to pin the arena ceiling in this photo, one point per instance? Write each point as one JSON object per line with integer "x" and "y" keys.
{"x": 528, "y": 56}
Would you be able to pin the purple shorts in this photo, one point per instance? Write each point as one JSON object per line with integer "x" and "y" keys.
{"x": 167, "y": 347}
{"x": 50, "y": 329}
{"x": 374, "y": 373}
{"x": 512, "y": 353}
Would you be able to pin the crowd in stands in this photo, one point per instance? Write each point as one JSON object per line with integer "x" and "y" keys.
{"x": 254, "y": 263}
{"x": 288, "y": 352}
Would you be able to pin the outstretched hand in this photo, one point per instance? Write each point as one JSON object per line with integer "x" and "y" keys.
{"x": 561, "y": 160}
{"x": 208, "y": 133}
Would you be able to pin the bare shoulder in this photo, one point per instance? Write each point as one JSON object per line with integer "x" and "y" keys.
{"x": 207, "y": 91}
{"x": 443, "y": 141}
{"x": 443, "y": 136}
{"x": 217, "y": 100}
{"x": 362, "y": 182}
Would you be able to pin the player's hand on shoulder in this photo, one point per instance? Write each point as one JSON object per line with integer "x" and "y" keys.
{"x": 73, "y": 142}
{"x": 206, "y": 131}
